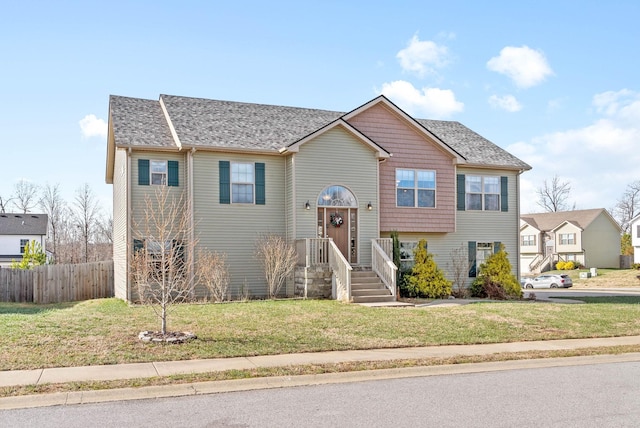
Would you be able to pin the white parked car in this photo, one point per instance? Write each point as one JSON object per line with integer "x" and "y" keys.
{"x": 547, "y": 281}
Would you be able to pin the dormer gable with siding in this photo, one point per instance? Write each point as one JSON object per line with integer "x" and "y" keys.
{"x": 417, "y": 183}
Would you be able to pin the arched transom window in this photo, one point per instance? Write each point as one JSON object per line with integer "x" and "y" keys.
{"x": 337, "y": 196}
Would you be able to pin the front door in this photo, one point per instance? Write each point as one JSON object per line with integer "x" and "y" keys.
{"x": 339, "y": 224}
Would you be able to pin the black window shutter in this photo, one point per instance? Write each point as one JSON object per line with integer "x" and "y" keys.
{"x": 225, "y": 182}
{"x": 172, "y": 172}
{"x": 260, "y": 184}
{"x": 138, "y": 244}
{"x": 143, "y": 172}
{"x": 461, "y": 190}
{"x": 472, "y": 259}
{"x": 504, "y": 194}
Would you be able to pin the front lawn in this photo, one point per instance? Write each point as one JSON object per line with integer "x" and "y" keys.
{"x": 105, "y": 331}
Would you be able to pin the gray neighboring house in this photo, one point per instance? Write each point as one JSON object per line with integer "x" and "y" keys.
{"x": 16, "y": 230}
{"x": 588, "y": 237}
{"x": 334, "y": 183}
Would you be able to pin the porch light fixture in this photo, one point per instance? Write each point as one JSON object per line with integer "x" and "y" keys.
{"x": 307, "y": 206}
{"x": 369, "y": 206}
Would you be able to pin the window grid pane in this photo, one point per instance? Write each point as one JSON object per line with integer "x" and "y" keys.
{"x": 405, "y": 197}
{"x": 242, "y": 183}
{"x": 242, "y": 193}
{"x": 415, "y": 188}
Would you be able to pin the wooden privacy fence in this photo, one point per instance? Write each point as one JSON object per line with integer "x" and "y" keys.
{"x": 57, "y": 283}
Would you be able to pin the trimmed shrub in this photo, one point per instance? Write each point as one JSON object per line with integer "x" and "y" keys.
{"x": 426, "y": 279}
{"x": 495, "y": 279}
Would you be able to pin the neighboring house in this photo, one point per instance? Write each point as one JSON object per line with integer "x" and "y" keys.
{"x": 635, "y": 238}
{"x": 16, "y": 231}
{"x": 590, "y": 238}
{"x": 309, "y": 175}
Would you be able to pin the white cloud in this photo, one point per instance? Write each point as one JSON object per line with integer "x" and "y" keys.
{"x": 599, "y": 159}
{"x": 525, "y": 66}
{"x": 423, "y": 57}
{"x": 91, "y": 126}
{"x": 623, "y": 104}
{"x": 432, "y": 103}
{"x": 507, "y": 102}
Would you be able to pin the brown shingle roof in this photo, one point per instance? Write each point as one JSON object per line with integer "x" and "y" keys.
{"x": 549, "y": 221}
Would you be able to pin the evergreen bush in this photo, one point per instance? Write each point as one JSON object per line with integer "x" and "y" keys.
{"x": 495, "y": 279}
{"x": 426, "y": 279}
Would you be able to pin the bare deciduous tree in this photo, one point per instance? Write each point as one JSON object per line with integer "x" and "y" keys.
{"x": 278, "y": 259}
{"x": 4, "y": 204}
{"x": 25, "y": 196}
{"x": 212, "y": 271}
{"x": 53, "y": 205}
{"x": 164, "y": 245}
{"x": 553, "y": 196}
{"x": 86, "y": 214}
{"x": 628, "y": 206}
{"x": 459, "y": 266}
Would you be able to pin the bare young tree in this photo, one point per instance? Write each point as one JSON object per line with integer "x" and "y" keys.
{"x": 4, "y": 204}
{"x": 213, "y": 272}
{"x": 25, "y": 196}
{"x": 459, "y": 266}
{"x": 278, "y": 259}
{"x": 553, "y": 196}
{"x": 628, "y": 206}
{"x": 86, "y": 214}
{"x": 52, "y": 204}
{"x": 163, "y": 248}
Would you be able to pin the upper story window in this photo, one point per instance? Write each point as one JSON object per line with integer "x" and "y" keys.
{"x": 242, "y": 183}
{"x": 158, "y": 172}
{"x": 415, "y": 188}
{"x": 528, "y": 240}
{"x": 23, "y": 244}
{"x": 482, "y": 193}
{"x": 567, "y": 238}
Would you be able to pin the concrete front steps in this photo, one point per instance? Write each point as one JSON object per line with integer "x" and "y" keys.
{"x": 366, "y": 287}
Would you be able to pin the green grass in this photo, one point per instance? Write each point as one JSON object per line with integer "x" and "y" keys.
{"x": 105, "y": 331}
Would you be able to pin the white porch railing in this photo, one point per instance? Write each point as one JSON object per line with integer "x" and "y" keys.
{"x": 312, "y": 251}
{"x": 383, "y": 266}
{"x": 341, "y": 287}
{"x": 387, "y": 246}
{"x": 539, "y": 262}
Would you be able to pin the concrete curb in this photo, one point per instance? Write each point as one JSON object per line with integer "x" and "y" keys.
{"x": 216, "y": 387}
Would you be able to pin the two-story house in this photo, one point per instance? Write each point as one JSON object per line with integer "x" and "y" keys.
{"x": 589, "y": 238}
{"x": 312, "y": 176}
{"x": 16, "y": 231}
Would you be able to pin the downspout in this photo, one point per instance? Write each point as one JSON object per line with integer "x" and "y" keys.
{"x": 128, "y": 235}
{"x": 518, "y": 252}
{"x": 192, "y": 226}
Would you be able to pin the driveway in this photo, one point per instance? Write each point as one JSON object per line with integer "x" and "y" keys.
{"x": 568, "y": 293}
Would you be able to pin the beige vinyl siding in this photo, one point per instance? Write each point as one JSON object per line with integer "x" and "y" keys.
{"x": 565, "y": 229}
{"x": 120, "y": 232}
{"x": 289, "y": 187}
{"x": 233, "y": 228}
{"x": 139, "y": 192}
{"x": 601, "y": 241}
{"x": 531, "y": 249}
{"x": 337, "y": 158}
{"x": 478, "y": 226}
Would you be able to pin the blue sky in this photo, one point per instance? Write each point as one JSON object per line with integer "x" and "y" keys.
{"x": 554, "y": 82}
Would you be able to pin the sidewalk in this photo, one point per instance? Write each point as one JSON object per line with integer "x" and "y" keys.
{"x": 153, "y": 369}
